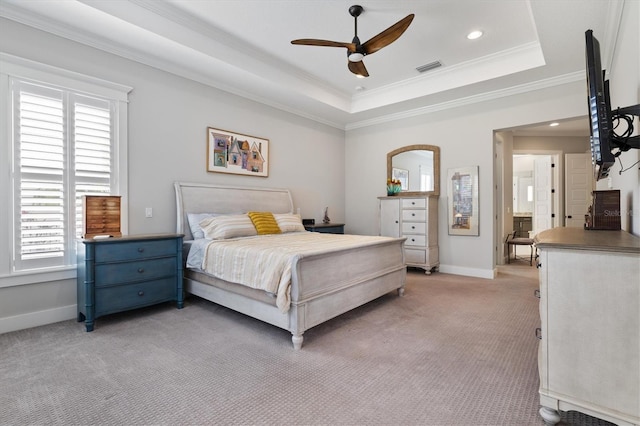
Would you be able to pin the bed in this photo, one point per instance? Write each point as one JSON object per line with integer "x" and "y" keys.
{"x": 322, "y": 285}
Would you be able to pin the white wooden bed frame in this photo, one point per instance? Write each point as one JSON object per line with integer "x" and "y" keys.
{"x": 322, "y": 286}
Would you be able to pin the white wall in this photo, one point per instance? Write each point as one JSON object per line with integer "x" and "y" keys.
{"x": 168, "y": 118}
{"x": 624, "y": 78}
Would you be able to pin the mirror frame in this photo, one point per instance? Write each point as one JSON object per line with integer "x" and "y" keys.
{"x": 436, "y": 167}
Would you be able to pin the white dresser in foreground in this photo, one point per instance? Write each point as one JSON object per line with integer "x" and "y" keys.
{"x": 589, "y": 354}
{"x": 416, "y": 218}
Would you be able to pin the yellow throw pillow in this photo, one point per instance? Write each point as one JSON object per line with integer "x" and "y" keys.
{"x": 264, "y": 222}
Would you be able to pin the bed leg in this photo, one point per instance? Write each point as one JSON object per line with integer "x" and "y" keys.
{"x": 401, "y": 291}
{"x": 297, "y": 341}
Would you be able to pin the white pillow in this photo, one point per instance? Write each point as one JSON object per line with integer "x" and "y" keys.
{"x": 228, "y": 226}
{"x": 194, "y": 220}
{"x": 289, "y": 222}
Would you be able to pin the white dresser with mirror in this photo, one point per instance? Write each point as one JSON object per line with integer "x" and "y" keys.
{"x": 413, "y": 212}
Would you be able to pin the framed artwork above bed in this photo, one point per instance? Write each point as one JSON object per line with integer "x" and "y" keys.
{"x": 229, "y": 152}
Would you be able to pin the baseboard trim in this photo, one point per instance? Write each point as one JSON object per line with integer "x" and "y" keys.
{"x": 469, "y": 272}
{"x": 35, "y": 319}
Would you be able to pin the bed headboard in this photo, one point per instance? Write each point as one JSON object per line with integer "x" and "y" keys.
{"x": 211, "y": 198}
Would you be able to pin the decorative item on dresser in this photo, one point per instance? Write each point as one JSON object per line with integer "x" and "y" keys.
{"x": 589, "y": 356}
{"x": 101, "y": 215}
{"x": 119, "y": 274}
{"x": 416, "y": 219}
{"x": 326, "y": 228}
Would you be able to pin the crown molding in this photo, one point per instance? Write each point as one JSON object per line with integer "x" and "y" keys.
{"x": 470, "y": 100}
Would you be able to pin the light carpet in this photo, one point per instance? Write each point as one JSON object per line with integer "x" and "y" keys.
{"x": 452, "y": 351}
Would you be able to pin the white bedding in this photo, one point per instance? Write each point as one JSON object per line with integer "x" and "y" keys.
{"x": 264, "y": 262}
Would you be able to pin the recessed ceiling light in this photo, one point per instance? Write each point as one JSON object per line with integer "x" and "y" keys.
{"x": 474, "y": 35}
{"x": 554, "y": 124}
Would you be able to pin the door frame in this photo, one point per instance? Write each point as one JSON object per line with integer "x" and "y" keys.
{"x": 500, "y": 165}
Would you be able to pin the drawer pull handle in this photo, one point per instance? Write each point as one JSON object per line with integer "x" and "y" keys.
{"x": 539, "y": 333}
{"x": 536, "y": 293}
{"x": 413, "y": 227}
{"x": 140, "y": 250}
{"x": 413, "y": 239}
{"x": 539, "y": 265}
{"x": 141, "y": 293}
{"x": 413, "y": 214}
{"x": 413, "y": 203}
{"x": 141, "y": 270}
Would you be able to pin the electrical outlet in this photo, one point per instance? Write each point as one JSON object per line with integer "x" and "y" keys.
{"x": 148, "y": 212}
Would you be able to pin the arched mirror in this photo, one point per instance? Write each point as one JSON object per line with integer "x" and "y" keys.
{"x": 417, "y": 167}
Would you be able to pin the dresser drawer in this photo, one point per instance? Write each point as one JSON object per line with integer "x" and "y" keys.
{"x": 129, "y": 296}
{"x": 415, "y": 240}
{"x": 414, "y": 215}
{"x": 415, "y": 256}
{"x": 135, "y": 250}
{"x": 120, "y": 273}
{"x": 414, "y": 228}
{"x": 408, "y": 203}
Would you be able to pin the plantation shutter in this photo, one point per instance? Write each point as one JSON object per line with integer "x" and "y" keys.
{"x": 63, "y": 150}
{"x": 40, "y": 151}
{"x": 93, "y": 151}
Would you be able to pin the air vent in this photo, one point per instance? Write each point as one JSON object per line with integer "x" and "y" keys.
{"x": 429, "y": 66}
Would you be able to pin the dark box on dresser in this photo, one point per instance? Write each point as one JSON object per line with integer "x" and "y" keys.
{"x": 604, "y": 213}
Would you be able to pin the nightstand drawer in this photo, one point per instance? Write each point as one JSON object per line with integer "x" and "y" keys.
{"x": 415, "y": 240}
{"x": 415, "y": 256}
{"x": 408, "y": 203}
{"x": 417, "y": 215}
{"x": 414, "y": 228}
{"x": 135, "y": 250}
{"x": 142, "y": 270}
{"x": 124, "y": 297}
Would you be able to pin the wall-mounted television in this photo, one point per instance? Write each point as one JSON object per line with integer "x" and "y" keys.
{"x": 599, "y": 110}
{"x": 603, "y": 120}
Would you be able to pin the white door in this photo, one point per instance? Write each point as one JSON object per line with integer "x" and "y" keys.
{"x": 578, "y": 183}
{"x": 542, "y": 196}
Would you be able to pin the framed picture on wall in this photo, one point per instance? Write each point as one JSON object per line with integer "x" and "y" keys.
{"x": 229, "y": 152}
{"x": 463, "y": 211}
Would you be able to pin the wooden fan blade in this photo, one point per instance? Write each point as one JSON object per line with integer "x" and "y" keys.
{"x": 314, "y": 42}
{"x": 387, "y": 36}
{"x": 358, "y": 68}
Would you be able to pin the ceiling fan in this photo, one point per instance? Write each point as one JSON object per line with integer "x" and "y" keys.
{"x": 356, "y": 51}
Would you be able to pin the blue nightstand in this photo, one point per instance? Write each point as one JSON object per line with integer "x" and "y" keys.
{"x": 123, "y": 273}
{"x": 327, "y": 228}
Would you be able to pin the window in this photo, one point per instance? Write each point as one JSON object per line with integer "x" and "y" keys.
{"x": 66, "y": 143}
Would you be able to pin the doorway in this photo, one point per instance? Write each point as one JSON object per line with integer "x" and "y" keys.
{"x": 540, "y": 141}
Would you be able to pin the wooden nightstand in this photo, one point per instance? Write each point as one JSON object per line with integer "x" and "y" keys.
{"x": 119, "y": 274}
{"x": 327, "y": 228}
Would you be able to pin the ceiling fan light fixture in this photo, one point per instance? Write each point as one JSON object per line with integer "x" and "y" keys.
{"x": 355, "y": 57}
